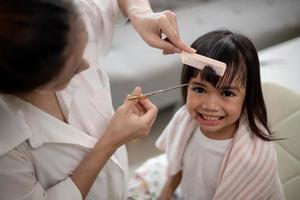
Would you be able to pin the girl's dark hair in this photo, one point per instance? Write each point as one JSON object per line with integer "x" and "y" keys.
{"x": 34, "y": 35}
{"x": 241, "y": 58}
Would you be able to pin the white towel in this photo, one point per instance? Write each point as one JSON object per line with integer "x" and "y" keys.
{"x": 249, "y": 168}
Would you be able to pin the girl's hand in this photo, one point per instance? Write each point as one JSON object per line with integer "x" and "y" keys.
{"x": 152, "y": 26}
{"x": 165, "y": 196}
{"x": 166, "y": 192}
{"x": 131, "y": 120}
{"x": 170, "y": 186}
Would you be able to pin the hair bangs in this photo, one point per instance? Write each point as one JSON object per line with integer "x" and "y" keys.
{"x": 225, "y": 51}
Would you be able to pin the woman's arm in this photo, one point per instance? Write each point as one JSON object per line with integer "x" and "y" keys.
{"x": 128, "y": 7}
{"x": 170, "y": 186}
{"x": 131, "y": 120}
{"x": 151, "y": 26}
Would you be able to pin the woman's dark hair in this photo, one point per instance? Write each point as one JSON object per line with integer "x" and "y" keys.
{"x": 241, "y": 58}
{"x": 34, "y": 36}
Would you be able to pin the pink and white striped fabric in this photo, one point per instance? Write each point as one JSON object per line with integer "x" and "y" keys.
{"x": 249, "y": 168}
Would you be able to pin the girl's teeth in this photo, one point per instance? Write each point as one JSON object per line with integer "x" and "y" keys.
{"x": 206, "y": 117}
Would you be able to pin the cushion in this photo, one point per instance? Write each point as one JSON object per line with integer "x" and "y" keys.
{"x": 283, "y": 107}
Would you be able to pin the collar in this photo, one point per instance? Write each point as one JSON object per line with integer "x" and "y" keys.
{"x": 47, "y": 129}
{"x": 21, "y": 121}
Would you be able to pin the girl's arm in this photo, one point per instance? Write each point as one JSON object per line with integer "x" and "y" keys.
{"x": 151, "y": 26}
{"x": 170, "y": 186}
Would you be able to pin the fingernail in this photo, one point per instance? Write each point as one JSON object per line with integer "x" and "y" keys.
{"x": 138, "y": 88}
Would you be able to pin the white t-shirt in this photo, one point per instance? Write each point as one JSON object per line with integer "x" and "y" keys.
{"x": 202, "y": 160}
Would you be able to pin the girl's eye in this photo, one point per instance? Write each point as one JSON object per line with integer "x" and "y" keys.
{"x": 228, "y": 93}
{"x": 198, "y": 90}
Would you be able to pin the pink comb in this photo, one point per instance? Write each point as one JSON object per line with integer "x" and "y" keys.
{"x": 199, "y": 62}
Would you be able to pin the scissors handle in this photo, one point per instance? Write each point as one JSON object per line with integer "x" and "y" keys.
{"x": 147, "y": 95}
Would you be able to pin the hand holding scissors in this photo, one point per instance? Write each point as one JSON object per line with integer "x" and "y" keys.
{"x": 154, "y": 93}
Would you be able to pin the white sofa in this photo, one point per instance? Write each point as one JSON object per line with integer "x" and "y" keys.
{"x": 131, "y": 62}
{"x": 281, "y": 88}
{"x": 283, "y": 106}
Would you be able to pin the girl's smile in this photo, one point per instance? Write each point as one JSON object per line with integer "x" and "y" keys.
{"x": 208, "y": 120}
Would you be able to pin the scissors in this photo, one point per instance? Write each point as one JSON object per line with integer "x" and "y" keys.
{"x": 154, "y": 93}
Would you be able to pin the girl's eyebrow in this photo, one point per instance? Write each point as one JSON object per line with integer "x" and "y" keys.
{"x": 230, "y": 87}
{"x": 197, "y": 83}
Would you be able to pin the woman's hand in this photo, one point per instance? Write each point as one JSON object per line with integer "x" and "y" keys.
{"x": 159, "y": 30}
{"x": 131, "y": 120}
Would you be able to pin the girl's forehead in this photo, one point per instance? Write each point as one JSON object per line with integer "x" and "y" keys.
{"x": 222, "y": 82}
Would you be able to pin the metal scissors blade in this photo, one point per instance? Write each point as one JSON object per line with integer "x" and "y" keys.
{"x": 154, "y": 93}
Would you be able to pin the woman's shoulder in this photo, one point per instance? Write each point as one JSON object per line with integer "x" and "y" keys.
{"x": 10, "y": 124}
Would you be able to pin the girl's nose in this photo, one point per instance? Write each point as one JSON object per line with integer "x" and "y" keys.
{"x": 211, "y": 103}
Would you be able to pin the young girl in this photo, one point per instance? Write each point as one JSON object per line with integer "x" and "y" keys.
{"x": 218, "y": 145}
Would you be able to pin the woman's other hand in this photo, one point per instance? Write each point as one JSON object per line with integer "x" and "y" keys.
{"x": 131, "y": 120}
{"x": 159, "y": 30}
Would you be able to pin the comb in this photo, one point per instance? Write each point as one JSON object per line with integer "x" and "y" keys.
{"x": 199, "y": 62}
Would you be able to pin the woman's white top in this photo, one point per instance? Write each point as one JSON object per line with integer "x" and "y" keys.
{"x": 38, "y": 152}
{"x": 202, "y": 160}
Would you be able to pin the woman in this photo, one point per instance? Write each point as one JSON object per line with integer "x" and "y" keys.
{"x": 60, "y": 138}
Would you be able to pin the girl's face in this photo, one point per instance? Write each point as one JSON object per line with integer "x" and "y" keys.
{"x": 216, "y": 110}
